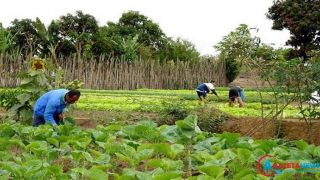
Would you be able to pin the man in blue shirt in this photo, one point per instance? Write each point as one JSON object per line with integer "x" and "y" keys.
{"x": 205, "y": 88}
{"x": 50, "y": 106}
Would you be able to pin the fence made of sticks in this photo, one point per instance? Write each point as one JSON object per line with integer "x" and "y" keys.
{"x": 121, "y": 74}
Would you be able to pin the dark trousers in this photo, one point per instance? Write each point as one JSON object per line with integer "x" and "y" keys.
{"x": 39, "y": 120}
{"x": 201, "y": 94}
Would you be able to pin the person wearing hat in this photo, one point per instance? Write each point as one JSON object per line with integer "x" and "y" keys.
{"x": 204, "y": 88}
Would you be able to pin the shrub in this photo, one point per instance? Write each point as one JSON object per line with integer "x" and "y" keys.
{"x": 232, "y": 69}
{"x": 173, "y": 111}
{"x": 8, "y": 97}
{"x": 210, "y": 119}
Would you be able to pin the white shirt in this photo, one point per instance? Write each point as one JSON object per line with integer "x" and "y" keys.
{"x": 210, "y": 86}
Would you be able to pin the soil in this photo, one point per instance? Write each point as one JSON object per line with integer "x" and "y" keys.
{"x": 90, "y": 119}
{"x": 290, "y": 129}
{"x": 244, "y": 79}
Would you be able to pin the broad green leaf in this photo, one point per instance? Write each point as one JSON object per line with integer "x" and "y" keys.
{"x": 99, "y": 135}
{"x": 38, "y": 147}
{"x": 299, "y": 155}
{"x": 96, "y": 174}
{"x": 76, "y": 171}
{"x": 177, "y": 148}
{"x": 6, "y": 130}
{"x": 12, "y": 167}
{"x": 102, "y": 159}
{"x": 114, "y": 127}
{"x": 150, "y": 124}
{"x": 87, "y": 156}
{"x": 144, "y": 154}
{"x": 165, "y": 164}
{"x": 134, "y": 174}
{"x": 301, "y": 144}
{"x": 225, "y": 156}
{"x": 83, "y": 142}
{"x": 213, "y": 170}
{"x": 244, "y": 155}
{"x": 77, "y": 155}
{"x": 170, "y": 133}
{"x": 112, "y": 148}
{"x": 32, "y": 165}
{"x": 127, "y": 159}
{"x": 281, "y": 152}
{"x": 231, "y": 139}
{"x": 25, "y": 81}
{"x": 24, "y": 97}
{"x": 4, "y": 156}
{"x": 200, "y": 177}
{"x": 4, "y": 143}
{"x": 265, "y": 145}
{"x": 53, "y": 154}
{"x": 167, "y": 175}
{"x": 15, "y": 107}
{"x": 257, "y": 153}
{"x": 188, "y": 124}
{"x": 243, "y": 174}
{"x": 143, "y": 175}
{"x": 159, "y": 148}
{"x": 202, "y": 156}
{"x": 206, "y": 144}
{"x": 17, "y": 142}
{"x": 53, "y": 141}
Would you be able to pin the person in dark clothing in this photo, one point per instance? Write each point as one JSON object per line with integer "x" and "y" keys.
{"x": 204, "y": 88}
{"x": 236, "y": 94}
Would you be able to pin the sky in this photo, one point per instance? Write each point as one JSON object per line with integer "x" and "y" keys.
{"x": 202, "y": 22}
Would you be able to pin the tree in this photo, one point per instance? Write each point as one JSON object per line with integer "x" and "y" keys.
{"x": 129, "y": 48}
{"x": 234, "y": 48}
{"x": 77, "y": 31}
{"x": 179, "y": 49}
{"x": 103, "y": 45}
{"x": 26, "y": 37}
{"x": 133, "y": 24}
{"x": 302, "y": 19}
{"x": 5, "y": 38}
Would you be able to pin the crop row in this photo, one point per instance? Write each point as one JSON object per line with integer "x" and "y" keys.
{"x": 141, "y": 151}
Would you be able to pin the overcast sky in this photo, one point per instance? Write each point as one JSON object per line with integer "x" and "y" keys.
{"x": 203, "y": 22}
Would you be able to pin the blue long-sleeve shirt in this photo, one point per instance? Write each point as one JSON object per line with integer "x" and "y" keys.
{"x": 50, "y": 104}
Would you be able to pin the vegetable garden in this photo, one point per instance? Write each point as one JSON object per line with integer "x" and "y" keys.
{"x": 136, "y": 147}
{"x": 149, "y": 131}
{"x": 141, "y": 151}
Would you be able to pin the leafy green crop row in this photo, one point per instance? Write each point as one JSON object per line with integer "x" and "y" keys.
{"x": 157, "y": 100}
{"x": 141, "y": 151}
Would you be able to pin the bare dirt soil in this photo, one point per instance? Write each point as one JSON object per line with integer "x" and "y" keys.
{"x": 246, "y": 80}
{"x": 288, "y": 129}
{"x": 90, "y": 119}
